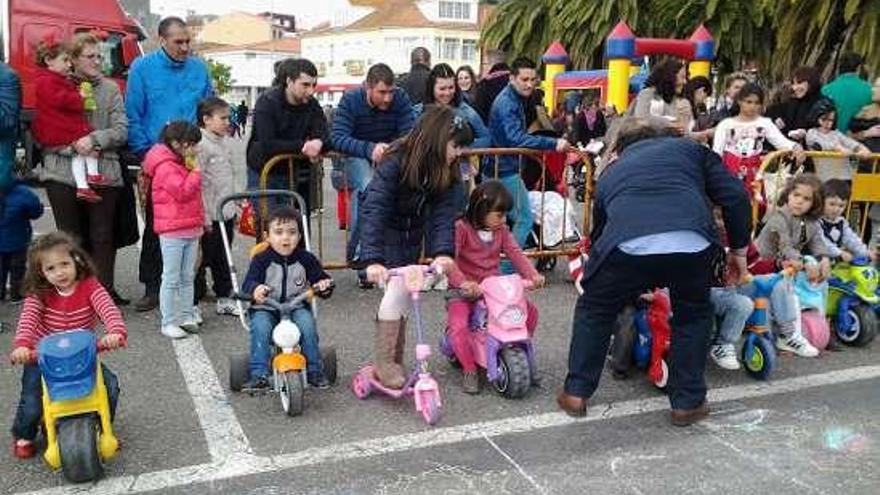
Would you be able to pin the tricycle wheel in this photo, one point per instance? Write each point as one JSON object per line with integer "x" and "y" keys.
{"x": 515, "y": 375}
{"x": 663, "y": 379}
{"x": 431, "y": 408}
{"x": 238, "y": 371}
{"x": 292, "y": 393}
{"x": 360, "y": 385}
{"x": 759, "y": 358}
{"x": 863, "y": 328}
{"x": 78, "y": 444}
{"x": 328, "y": 363}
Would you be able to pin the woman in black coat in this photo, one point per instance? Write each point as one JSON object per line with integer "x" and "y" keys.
{"x": 412, "y": 199}
{"x": 793, "y": 116}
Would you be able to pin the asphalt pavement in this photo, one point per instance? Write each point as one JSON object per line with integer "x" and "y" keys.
{"x": 813, "y": 428}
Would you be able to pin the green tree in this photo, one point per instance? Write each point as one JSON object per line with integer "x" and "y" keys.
{"x": 221, "y": 76}
{"x": 777, "y": 34}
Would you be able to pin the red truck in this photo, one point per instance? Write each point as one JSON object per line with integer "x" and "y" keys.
{"x": 26, "y": 22}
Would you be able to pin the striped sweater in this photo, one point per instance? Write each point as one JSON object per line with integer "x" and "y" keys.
{"x": 50, "y": 312}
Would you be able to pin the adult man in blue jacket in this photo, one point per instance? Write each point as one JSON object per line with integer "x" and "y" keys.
{"x": 653, "y": 227}
{"x": 368, "y": 119}
{"x": 508, "y": 126}
{"x": 163, "y": 86}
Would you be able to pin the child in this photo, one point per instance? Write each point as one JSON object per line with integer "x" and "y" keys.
{"x": 791, "y": 232}
{"x": 283, "y": 271}
{"x": 411, "y": 201}
{"x": 841, "y": 241}
{"x": 218, "y": 180}
{"x": 20, "y": 206}
{"x": 824, "y": 136}
{"x": 481, "y": 236}
{"x": 60, "y": 119}
{"x": 178, "y": 220}
{"x": 739, "y": 140}
{"x": 62, "y": 293}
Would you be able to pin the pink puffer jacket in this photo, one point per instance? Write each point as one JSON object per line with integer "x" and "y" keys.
{"x": 176, "y": 192}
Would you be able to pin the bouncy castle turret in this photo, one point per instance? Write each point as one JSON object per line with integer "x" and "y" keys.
{"x": 555, "y": 59}
{"x": 620, "y": 49}
{"x": 704, "y": 52}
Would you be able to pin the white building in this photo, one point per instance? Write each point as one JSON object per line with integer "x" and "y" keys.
{"x": 252, "y": 66}
{"x": 373, "y": 31}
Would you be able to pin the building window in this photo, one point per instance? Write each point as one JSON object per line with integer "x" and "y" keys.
{"x": 455, "y": 10}
{"x": 450, "y": 48}
{"x": 469, "y": 50}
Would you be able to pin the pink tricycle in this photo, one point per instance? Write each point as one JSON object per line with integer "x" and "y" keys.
{"x": 420, "y": 383}
{"x": 499, "y": 336}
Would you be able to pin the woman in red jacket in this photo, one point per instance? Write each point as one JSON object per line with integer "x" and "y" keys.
{"x": 178, "y": 220}
{"x": 61, "y": 118}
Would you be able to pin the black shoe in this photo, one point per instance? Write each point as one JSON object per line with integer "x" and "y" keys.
{"x": 318, "y": 380}
{"x": 119, "y": 300}
{"x": 255, "y": 384}
{"x": 365, "y": 284}
{"x": 146, "y": 303}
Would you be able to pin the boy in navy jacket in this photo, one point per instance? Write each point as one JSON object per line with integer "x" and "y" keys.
{"x": 20, "y": 206}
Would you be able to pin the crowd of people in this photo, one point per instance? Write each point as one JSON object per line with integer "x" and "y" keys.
{"x": 401, "y": 142}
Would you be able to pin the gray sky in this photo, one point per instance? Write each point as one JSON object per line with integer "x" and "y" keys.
{"x": 309, "y": 11}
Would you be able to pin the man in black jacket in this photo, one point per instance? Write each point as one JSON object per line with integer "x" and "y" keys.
{"x": 288, "y": 119}
{"x": 653, "y": 227}
{"x": 415, "y": 81}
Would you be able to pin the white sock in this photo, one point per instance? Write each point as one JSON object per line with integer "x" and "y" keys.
{"x": 92, "y": 165}
{"x": 78, "y": 167}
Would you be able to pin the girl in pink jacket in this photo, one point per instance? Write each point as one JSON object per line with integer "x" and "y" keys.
{"x": 178, "y": 219}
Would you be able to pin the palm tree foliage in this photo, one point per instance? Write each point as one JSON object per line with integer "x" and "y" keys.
{"x": 777, "y": 34}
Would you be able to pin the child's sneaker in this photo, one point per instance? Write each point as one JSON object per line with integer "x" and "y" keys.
{"x": 724, "y": 356}
{"x": 797, "y": 344}
{"x": 255, "y": 383}
{"x": 197, "y": 315}
{"x": 173, "y": 332}
{"x": 23, "y": 449}
{"x": 470, "y": 382}
{"x": 87, "y": 195}
{"x": 97, "y": 180}
{"x": 318, "y": 380}
{"x": 190, "y": 326}
{"x": 226, "y": 306}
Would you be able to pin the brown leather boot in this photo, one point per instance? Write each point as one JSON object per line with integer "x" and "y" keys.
{"x": 401, "y": 342}
{"x": 389, "y": 373}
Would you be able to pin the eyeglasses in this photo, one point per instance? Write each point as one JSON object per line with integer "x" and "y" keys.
{"x": 93, "y": 56}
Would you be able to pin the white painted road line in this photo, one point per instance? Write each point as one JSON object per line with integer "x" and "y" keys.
{"x": 239, "y": 465}
{"x": 223, "y": 432}
{"x": 516, "y": 465}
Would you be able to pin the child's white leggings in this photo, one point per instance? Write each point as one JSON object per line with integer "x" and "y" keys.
{"x": 79, "y": 166}
{"x": 395, "y": 301}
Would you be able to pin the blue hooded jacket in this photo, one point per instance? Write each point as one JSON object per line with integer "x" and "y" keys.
{"x": 508, "y": 126}
{"x": 20, "y": 206}
{"x": 10, "y": 108}
{"x": 357, "y": 126}
{"x": 160, "y": 90}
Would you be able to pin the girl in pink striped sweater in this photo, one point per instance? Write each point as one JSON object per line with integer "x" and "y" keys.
{"x": 62, "y": 293}
{"x": 480, "y": 239}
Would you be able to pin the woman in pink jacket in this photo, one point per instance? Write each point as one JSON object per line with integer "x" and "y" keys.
{"x": 178, "y": 219}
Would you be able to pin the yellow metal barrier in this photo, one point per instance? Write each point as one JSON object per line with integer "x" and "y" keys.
{"x": 475, "y": 156}
{"x": 865, "y": 180}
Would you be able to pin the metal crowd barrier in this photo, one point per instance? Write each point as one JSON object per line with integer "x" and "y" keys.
{"x": 475, "y": 157}
{"x": 777, "y": 168}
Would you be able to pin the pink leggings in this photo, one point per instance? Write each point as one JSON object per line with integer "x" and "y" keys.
{"x": 458, "y": 314}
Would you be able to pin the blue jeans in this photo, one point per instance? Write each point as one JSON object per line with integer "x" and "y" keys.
{"x": 614, "y": 284}
{"x": 30, "y": 405}
{"x": 263, "y": 322}
{"x": 178, "y": 276}
{"x": 521, "y": 214}
{"x": 733, "y": 309}
{"x": 359, "y": 171}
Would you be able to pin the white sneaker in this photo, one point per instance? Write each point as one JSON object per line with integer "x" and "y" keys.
{"x": 724, "y": 356}
{"x": 226, "y": 306}
{"x": 173, "y": 332}
{"x": 197, "y": 315}
{"x": 797, "y": 344}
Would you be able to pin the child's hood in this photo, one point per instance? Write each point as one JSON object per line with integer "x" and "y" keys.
{"x": 158, "y": 155}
